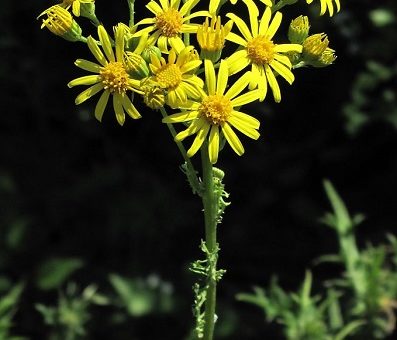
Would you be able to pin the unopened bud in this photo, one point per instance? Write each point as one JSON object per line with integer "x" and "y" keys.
{"x": 135, "y": 65}
{"x": 314, "y": 46}
{"x": 60, "y": 22}
{"x": 298, "y": 30}
{"x": 327, "y": 58}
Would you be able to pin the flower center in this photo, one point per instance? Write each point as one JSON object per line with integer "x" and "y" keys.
{"x": 114, "y": 77}
{"x": 169, "y": 76}
{"x": 216, "y": 109}
{"x": 169, "y": 22}
{"x": 260, "y": 50}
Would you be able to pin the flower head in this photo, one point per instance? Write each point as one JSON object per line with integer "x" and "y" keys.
{"x": 213, "y": 114}
{"x": 211, "y": 37}
{"x": 174, "y": 76}
{"x": 259, "y": 51}
{"x": 169, "y": 23}
{"x": 327, "y": 5}
{"x": 60, "y": 22}
{"x": 110, "y": 76}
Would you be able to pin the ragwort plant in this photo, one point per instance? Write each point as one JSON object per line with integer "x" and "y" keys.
{"x": 175, "y": 62}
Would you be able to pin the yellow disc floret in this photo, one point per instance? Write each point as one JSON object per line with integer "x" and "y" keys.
{"x": 114, "y": 77}
{"x": 260, "y": 50}
{"x": 169, "y": 22}
{"x": 169, "y": 76}
{"x": 216, "y": 109}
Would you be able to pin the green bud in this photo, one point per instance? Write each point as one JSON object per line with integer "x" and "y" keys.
{"x": 327, "y": 58}
{"x": 150, "y": 51}
{"x": 298, "y": 30}
{"x": 135, "y": 65}
{"x": 87, "y": 10}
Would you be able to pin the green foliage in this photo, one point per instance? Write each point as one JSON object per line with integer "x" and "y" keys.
{"x": 303, "y": 316}
{"x": 55, "y": 271}
{"x": 8, "y": 304}
{"x": 360, "y": 303}
{"x": 142, "y": 297}
{"x": 69, "y": 318}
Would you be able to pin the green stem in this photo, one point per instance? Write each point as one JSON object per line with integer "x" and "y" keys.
{"x": 209, "y": 203}
{"x": 132, "y": 12}
{"x": 189, "y": 165}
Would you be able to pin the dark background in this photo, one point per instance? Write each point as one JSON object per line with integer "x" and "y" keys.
{"x": 115, "y": 197}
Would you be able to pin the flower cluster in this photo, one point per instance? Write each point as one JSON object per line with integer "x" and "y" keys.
{"x": 176, "y": 58}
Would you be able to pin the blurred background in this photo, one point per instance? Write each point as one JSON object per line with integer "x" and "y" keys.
{"x": 100, "y": 217}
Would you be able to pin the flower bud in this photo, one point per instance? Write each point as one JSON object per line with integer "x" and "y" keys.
{"x": 135, "y": 65}
{"x": 150, "y": 51}
{"x": 211, "y": 38}
{"x": 298, "y": 30}
{"x": 60, "y": 22}
{"x": 327, "y": 58}
{"x": 314, "y": 46}
{"x": 153, "y": 95}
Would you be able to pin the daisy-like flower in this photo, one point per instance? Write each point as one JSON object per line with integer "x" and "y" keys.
{"x": 259, "y": 51}
{"x": 174, "y": 76}
{"x": 327, "y": 5}
{"x": 75, "y": 4}
{"x": 214, "y": 113}
{"x": 110, "y": 76}
{"x": 169, "y": 23}
{"x": 214, "y": 4}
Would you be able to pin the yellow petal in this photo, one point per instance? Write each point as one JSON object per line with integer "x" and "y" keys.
{"x": 118, "y": 108}
{"x": 275, "y": 24}
{"x": 273, "y": 84}
{"x": 88, "y": 65}
{"x": 246, "y": 119}
{"x": 232, "y": 139}
{"x": 181, "y": 117}
{"x": 283, "y": 71}
{"x": 210, "y": 78}
{"x": 238, "y": 86}
{"x": 101, "y": 105}
{"x": 97, "y": 53}
{"x": 246, "y": 98}
{"x": 245, "y": 129}
{"x": 213, "y": 144}
{"x": 241, "y": 26}
{"x": 223, "y": 75}
{"x": 105, "y": 42}
{"x": 88, "y": 93}
{"x": 198, "y": 141}
{"x": 86, "y": 80}
{"x": 130, "y": 108}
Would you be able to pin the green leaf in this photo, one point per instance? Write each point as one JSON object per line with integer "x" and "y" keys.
{"x": 54, "y": 272}
{"x": 349, "y": 329}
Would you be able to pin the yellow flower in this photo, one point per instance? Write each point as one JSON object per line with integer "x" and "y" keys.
{"x": 259, "y": 51}
{"x": 75, "y": 4}
{"x": 110, "y": 76}
{"x": 174, "y": 76}
{"x": 169, "y": 23}
{"x": 214, "y": 4}
{"x": 214, "y": 113}
{"x": 60, "y": 22}
{"x": 327, "y": 5}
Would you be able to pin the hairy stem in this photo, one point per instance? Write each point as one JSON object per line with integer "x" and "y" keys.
{"x": 132, "y": 12}
{"x": 209, "y": 203}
